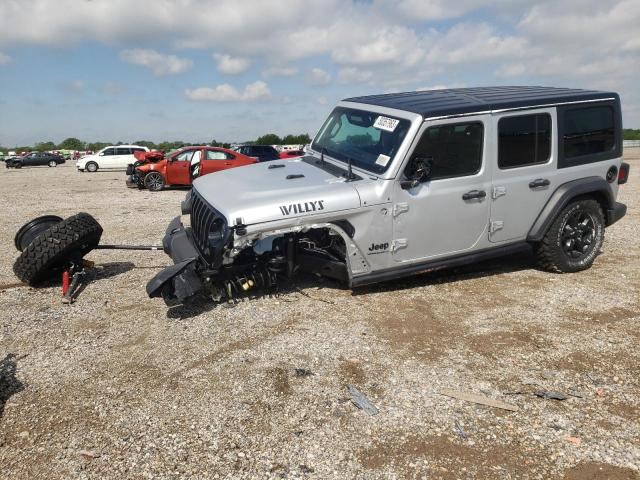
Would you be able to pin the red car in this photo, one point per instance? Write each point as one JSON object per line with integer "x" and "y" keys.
{"x": 154, "y": 170}
{"x": 291, "y": 153}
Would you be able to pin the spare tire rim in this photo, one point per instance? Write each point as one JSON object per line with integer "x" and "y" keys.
{"x": 30, "y": 230}
{"x": 578, "y": 234}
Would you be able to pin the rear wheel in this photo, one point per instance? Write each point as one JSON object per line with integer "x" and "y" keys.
{"x": 154, "y": 181}
{"x": 91, "y": 167}
{"x": 53, "y": 163}
{"x": 574, "y": 239}
{"x": 52, "y": 250}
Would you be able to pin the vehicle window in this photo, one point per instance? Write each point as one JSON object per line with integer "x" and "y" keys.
{"x": 216, "y": 155}
{"x": 588, "y": 130}
{"x": 109, "y": 151}
{"x": 184, "y": 156}
{"x": 123, "y": 151}
{"x": 455, "y": 150}
{"x": 134, "y": 150}
{"x": 369, "y": 139}
{"x": 524, "y": 140}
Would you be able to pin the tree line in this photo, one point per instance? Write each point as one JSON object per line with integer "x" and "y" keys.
{"x": 73, "y": 143}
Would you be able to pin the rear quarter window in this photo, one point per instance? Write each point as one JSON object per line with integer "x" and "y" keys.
{"x": 589, "y": 133}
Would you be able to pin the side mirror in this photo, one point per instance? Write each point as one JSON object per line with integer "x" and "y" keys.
{"x": 420, "y": 168}
{"x": 101, "y": 154}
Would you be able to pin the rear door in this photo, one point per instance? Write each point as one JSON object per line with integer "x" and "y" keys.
{"x": 524, "y": 173}
{"x": 215, "y": 160}
{"x": 122, "y": 158}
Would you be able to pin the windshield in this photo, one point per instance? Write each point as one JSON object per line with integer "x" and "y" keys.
{"x": 369, "y": 139}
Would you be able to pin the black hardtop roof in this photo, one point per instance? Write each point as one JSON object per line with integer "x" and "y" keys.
{"x": 457, "y": 101}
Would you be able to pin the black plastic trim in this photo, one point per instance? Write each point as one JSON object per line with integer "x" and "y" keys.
{"x": 614, "y": 214}
{"x": 423, "y": 267}
{"x": 346, "y": 226}
{"x": 561, "y": 197}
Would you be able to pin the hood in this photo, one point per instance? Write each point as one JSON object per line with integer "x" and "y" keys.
{"x": 262, "y": 192}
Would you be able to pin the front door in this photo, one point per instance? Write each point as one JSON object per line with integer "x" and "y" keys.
{"x": 107, "y": 157}
{"x": 524, "y": 171}
{"x": 179, "y": 168}
{"x": 447, "y": 214}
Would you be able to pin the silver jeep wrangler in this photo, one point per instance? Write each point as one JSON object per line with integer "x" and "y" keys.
{"x": 399, "y": 184}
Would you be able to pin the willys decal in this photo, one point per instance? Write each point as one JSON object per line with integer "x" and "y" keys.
{"x": 296, "y": 208}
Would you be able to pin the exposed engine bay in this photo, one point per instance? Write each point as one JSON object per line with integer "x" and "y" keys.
{"x": 233, "y": 263}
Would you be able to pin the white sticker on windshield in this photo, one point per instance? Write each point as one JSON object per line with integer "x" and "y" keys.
{"x": 382, "y": 160}
{"x": 386, "y": 123}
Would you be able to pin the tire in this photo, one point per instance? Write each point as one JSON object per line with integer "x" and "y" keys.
{"x": 574, "y": 239}
{"x": 17, "y": 165}
{"x": 53, "y": 249}
{"x": 154, "y": 181}
{"x": 91, "y": 167}
{"x": 53, "y": 163}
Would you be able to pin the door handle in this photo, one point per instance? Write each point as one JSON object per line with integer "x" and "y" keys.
{"x": 539, "y": 182}
{"x": 474, "y": 194}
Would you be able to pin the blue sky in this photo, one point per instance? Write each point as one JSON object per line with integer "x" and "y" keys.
{"x": 195, "y": 70}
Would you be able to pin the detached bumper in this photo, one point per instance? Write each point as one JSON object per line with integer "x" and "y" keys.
{"x": 614, "y": 214}
{"x": 181, "y": 280}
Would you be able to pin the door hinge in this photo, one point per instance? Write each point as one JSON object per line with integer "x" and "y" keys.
{"x": 498, "y": 192}
{"x": 495, "y": 226}
{"x": 399, "y": 208}
{"x": 398, "y": 244}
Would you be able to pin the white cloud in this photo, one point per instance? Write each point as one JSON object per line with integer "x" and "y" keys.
{"x": 280, "y": 72}
{"x": 231, "y": 65}
{"x": 318, "y": 77}
{"x": 440, "y": 87}
{"x": 5, "y": 59}
{"x": 73, "y": 86}
{"x": 159, "y": 63}
{"x": 354, "y": 75}
{"x": 227, "y": 93}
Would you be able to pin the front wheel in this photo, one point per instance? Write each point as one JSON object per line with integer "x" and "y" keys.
{"x": 91, "y": 167}
{"x": 154, "y": 181}
{"x": 53, "y": 163}
{"x": 574, "y": 239}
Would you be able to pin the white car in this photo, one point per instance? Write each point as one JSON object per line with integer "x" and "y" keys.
{"x": 114, "y": 157}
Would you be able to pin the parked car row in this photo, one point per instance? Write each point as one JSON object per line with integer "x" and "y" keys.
{"x": 34, "y": 159}
{"x": 182, "y": 166}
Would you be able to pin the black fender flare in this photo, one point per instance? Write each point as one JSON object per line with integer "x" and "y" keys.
{"x": 563, "y": 195}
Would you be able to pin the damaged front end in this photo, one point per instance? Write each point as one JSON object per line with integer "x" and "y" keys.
{"x": 223, "y": 261}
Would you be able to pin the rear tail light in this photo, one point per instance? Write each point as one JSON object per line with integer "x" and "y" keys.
{"x": 623, "y": 173}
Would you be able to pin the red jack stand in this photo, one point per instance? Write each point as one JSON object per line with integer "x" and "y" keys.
{"x": 75, "y": 274}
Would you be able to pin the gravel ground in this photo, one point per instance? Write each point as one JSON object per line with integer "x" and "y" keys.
{"x": 119, "y": 386}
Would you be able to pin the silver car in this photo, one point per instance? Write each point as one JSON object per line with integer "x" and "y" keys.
{"x": 398, "y": 184}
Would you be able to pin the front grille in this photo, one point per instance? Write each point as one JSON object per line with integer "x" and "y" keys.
{"x": 206, "y": 222}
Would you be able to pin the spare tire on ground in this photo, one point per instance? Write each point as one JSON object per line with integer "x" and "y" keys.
{"x": 55, "y": 248}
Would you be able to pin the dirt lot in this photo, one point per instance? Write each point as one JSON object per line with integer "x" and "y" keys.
{"x": 119, "y": 386}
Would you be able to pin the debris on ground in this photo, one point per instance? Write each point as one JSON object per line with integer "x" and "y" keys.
{"x": 88, "y": 454}
{"x": 550, "y": 395}
{"x": 481, "y": 399}
{"x": 303, "y": 372}
{"x": 459, "y": 429}
{"x": 361, "y": 401}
